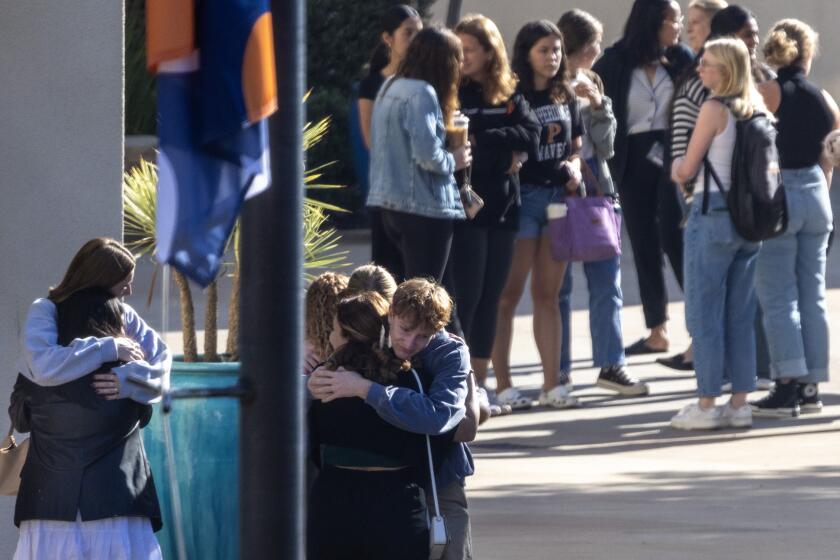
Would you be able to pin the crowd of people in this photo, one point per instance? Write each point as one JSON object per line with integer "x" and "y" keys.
{"x": 461, "y": 219}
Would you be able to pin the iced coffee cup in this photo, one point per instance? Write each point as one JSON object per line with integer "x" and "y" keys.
{"x": 457, "y": 133}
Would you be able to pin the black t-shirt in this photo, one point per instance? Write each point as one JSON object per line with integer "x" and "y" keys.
{"x": 369, "y": 86}
{"x": 561, "y": 124}
{"x": 804, "y": 120}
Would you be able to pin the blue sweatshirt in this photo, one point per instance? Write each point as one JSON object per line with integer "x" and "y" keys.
{"x": 438, "y": 411}
{"x": 47, "y": 363}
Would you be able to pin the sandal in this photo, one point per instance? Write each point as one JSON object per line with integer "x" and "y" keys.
{"x": 513, "y": 398}
{"x": 641, "y": 347}
{"x": 677, "y": 362}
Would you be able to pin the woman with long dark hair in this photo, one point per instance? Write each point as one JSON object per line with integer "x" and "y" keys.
{"x": 372, "y": 473}
{"x": 398, "y": 26}
{"x": 639, "y": 72}
{"x": 502, "y": 128}
{"x": 791, "y": 267}
{"x": 551, "y": 172}
{"x": 582, "y": 41}
{"x": 86, "y": 489}
{"x": 411, "y": 177}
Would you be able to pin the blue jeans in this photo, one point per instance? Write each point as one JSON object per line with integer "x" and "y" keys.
{"x": 791, "y": 281}
{"x": 720, "y": 300}
{"x": 603, "y": 279}
{"x": 533, "y": 219}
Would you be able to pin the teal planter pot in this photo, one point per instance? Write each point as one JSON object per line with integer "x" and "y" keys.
{"x": 205, "y": 438}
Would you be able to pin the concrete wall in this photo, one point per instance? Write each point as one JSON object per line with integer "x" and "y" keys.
{"x": 61, "y": 151}
{"x": 821, "y": 14}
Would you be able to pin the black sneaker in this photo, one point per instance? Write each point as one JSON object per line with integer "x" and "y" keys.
{"x": 616, "y": 379}
{"x": 781, "y": 402}
{"x": 809, "y": 398}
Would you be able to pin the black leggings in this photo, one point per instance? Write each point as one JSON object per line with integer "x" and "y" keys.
{"x": 423, "y": 242}
{"x": 652, "y": 213}
{"x": 371, "y": 515}
{"x": 383, "y": 251}
{"x": 480, "y": 263}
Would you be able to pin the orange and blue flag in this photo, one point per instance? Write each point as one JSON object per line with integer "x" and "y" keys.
{"x": 216, "y": 86}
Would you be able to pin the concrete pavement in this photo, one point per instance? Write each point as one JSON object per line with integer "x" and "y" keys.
{"x": 612, "y": 479}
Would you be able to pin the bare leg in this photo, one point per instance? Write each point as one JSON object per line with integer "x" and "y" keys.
{"x": 524, "y": 252}
{"x": 545, "y": 289}
{"x": 480, "y": 366}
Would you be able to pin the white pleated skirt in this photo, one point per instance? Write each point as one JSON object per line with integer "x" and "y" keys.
{"x": 117, "y": 538}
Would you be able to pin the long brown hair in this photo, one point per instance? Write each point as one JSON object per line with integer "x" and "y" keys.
{"x": 500, "y": 79}
{"x": 100, "y": 263}
{"x": 559, "y": 87}
{"x": 434, "y": 56}
{"x": 363, "y": 319}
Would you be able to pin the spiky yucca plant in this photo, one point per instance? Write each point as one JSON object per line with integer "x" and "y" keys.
{"x": 320, "y": 245}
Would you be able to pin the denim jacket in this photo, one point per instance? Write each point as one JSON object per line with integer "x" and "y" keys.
{"x": 410, "y": 169}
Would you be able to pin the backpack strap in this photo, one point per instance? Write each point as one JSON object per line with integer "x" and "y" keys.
{"x": 707, "y": 171}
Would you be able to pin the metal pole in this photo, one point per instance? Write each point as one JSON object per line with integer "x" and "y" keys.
{"x": 453, "y": 14}
{"x": 271, "y": 475}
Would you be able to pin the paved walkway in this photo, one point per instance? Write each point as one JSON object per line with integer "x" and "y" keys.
{"x": 611, "y": 480}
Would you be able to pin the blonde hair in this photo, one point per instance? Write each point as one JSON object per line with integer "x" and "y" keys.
{"x": 501, "y": 81}
{"x": 422, "y": 302}
{"x": 371, "y": 278}
{"x": 737, "y": 84}
{"x": 790, "y": 42}
{"x": 709, "y": 7}
{"x": 320, "y": 303}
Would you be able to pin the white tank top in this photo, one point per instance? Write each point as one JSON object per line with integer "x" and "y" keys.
{"x": 720, "y": 155}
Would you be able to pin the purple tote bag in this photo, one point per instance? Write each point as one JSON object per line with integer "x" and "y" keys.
{"x": 585, "y": 229}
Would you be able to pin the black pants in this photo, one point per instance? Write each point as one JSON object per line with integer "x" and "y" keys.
{"x": 383, "y": 251}
{"x": 652, "y": 213}
{"x": 479, "y": 265}
{"x": 371, "y": 515}
{"x": 423, "y": 243}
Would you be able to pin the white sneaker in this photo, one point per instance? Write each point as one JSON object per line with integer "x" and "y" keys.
{"x": 559, "y": 397}
{"x": 513, "y": 398}
{"x": 692, "y": 417}
{"x": 735, "y": 417}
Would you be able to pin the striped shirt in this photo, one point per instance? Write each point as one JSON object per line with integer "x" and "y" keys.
{"x": 687, "y": 102}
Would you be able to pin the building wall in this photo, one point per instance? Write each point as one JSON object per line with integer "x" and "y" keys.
{"x": 61, "y": 152}
{"x": 510, "y": 16}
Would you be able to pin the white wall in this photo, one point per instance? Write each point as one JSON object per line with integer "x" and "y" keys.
{"x": 61, "y": 149}
{"x": 823, "y": 15}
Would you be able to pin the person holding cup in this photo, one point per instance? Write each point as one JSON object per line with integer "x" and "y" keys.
{"x": 502, "y": 130}
{"x": 412, "y": 179}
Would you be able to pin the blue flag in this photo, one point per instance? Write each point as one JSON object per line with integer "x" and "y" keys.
{"x": 216, "y": 87}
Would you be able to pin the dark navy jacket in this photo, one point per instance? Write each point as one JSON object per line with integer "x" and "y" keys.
{"x": 616, "y": 71}
{"x": 85, "y": 455}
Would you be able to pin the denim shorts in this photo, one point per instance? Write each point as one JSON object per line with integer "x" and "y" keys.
{"x": 533, "y": 218}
